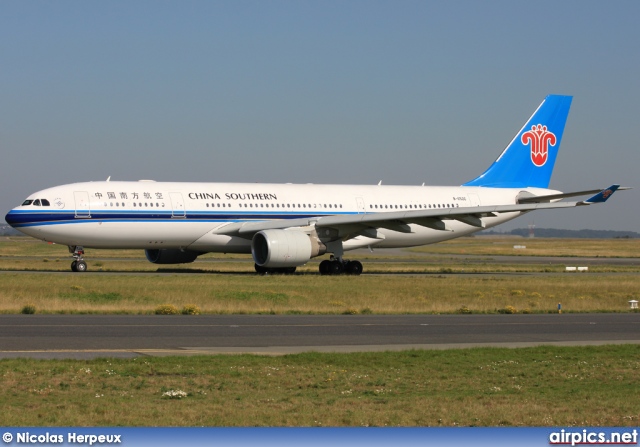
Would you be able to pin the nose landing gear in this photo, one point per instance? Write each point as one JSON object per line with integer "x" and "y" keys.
{"x": 77, "y": 252}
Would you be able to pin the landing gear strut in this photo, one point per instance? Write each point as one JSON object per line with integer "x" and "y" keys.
{"x": 336, "y": 266}
{"x": 77, "y": 252}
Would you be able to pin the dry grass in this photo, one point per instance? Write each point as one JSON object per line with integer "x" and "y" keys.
{"x": 503, "y": 246}
{"x": 214, "y": 293}
{"x": 207, "y": 284}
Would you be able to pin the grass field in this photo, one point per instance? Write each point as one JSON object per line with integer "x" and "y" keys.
{"x": 477, "y": 284}
{"x": 225, "y": 294}
{"x": 480, "y": 245}
{"x": 545, "y": 386}
{"x": 604, "y": 248}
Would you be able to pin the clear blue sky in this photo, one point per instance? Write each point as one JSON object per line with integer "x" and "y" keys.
{"x": 322, "y": 92}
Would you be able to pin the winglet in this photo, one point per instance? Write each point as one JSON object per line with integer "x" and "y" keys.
{"x": 603, "y": 195}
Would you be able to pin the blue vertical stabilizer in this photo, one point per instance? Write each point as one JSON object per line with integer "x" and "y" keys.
{"x": 528, "y": 160}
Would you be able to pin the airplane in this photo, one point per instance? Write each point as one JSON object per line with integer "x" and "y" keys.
{"x": 283, "y": 226}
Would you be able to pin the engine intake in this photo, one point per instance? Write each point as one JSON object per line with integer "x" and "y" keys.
{"x": 171, "y": 256}
{"x": 284, "y": 248}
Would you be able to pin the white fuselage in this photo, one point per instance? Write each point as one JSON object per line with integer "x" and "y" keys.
{"x": 157, "y": 215}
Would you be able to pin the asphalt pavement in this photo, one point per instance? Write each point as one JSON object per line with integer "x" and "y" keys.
{"x": 88, "y": 336}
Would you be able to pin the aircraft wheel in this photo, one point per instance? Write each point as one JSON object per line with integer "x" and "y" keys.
{"x": 74, "y": 267}
{"x": 354, "y": 268}
{"x": 81, "y": 266}
{"x": 325, "y": 267}
{"x": 336, "y": 267}
{"x": 260, "y": 269}
{"x": 289, "y": 270}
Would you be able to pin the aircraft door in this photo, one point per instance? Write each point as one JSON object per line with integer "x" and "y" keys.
{"x": 177, "y": 204}
{"x": 474, "y": 199}
{"x": 83, "y": 204}
{"x": 360, "y": 202}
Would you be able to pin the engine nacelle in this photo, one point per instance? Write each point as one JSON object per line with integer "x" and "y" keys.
{"x": 171, "y": 256}
{"x": 284, "y": 248}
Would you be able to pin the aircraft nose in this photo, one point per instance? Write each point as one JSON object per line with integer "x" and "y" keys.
{"x": 11, "y": 218}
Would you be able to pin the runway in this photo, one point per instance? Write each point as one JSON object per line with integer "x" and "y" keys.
{"x": 90, "y": 336}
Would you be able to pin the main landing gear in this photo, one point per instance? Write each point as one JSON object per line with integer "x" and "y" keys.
{"x": 78, "y": 265}
{"x": 335, "y": 266}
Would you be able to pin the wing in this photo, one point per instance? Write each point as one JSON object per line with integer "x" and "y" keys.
{"x": 344, "y": 226}
{"x": 597, "y": 192}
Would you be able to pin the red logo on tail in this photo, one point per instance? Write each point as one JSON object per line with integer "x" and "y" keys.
{"x": 540, "y": 140}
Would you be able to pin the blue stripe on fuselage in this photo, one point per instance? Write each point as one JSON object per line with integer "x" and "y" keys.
{"x": 23, "y": 218}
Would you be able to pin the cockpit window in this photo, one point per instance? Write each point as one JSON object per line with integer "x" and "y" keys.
{"x": 37, "y": 202}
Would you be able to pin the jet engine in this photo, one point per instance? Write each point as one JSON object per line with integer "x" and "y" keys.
{"x": 284, "y": 248}
{"x": 171, "y": 256}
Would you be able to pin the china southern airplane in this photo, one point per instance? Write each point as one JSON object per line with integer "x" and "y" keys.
{"x": 285, "y": 225}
